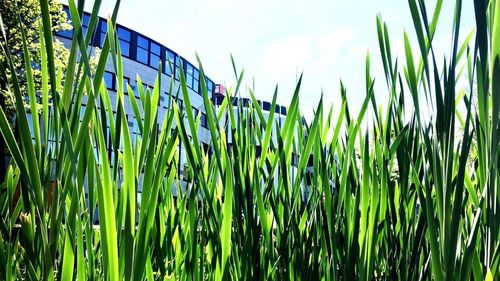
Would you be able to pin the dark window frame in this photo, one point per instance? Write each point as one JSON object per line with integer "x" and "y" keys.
{"x": 266, "y": 106}
{"x": 168, "y": 54}
{"x": 177, "y": 67}
{"x": 129, "y": 37}
{"x": 123, "y": 40}
{"x": 152, "y": 53}
{"x": 203, "y": 120}
{"x": 113, "y": 80}
{"x": 142, "y": 48}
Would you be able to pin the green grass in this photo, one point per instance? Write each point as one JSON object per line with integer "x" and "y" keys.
{"x": 396, "y": 198}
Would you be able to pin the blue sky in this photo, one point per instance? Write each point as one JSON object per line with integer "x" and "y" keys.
{"x": 276, "y": 40}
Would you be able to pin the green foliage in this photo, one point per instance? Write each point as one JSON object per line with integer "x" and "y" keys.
{"x": 395, "y": 199}
{"x": 28, "y": 13}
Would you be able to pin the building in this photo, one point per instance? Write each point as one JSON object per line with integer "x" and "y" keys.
{"x": 141, "y": 56}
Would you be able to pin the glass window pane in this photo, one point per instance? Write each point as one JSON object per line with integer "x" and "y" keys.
{"x": 142, "y": 42}
{"x": 169, "y": 63}
{"x": 126, "y": 81}
{"x": 283, "y": 110}
{"x": 142, "y": 55}
{"x": 155, "y": 48}
{"x": 171, "y": 57}
{"x": 109, "y": 80}
{"x": 203, "y": 120}
{"x": 219, "y": 100}
{"x": 154, "y": 60}
{"x": 66, "y": 33}
{"x": 104, "y": 26}
{"x": 103, "y": 37}
{"x": 177, "y": 67}
{"x": 167, "y": 69}
{"x": 210, "y": 86}
{"x": 266, "y": 106}
{"x": 195, "y": 87}
{"x": 86, "y": 20}
{"x": 196, "y": 74}
{"x": 189, "y": 81}
{"x": 189, "y": 69}
{"x": 123, "y": 34}
{"x": 82, "y": 112}
{"x": 125, "y": 48}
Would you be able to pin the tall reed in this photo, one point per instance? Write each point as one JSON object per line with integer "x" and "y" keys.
{"x": 400, "y": 198}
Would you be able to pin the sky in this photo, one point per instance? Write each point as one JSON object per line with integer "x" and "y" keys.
{"x": 275, "y": 41}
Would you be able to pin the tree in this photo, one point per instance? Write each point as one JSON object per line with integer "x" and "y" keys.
{"x": 28, "y": 13}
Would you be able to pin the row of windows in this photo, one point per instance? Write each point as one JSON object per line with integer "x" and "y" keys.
{"x": 124, "y": 37}
{"x": 110, "y": 81}
{"x": 245, "y": 102}
{"x": 145, "y": 51}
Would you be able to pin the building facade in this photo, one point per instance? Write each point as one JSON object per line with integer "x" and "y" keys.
{"x": 141, "y": 56}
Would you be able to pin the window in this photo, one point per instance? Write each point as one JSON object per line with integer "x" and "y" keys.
{"x": 203, "y": 120}
{"x": 178, "y": 61}
{"x": 195, "y": 112}
{"x": 133, "y": 128}
{"x": 66, "y": 33}
{"x": 196, "y": 80}
{"x": 124, "y": 38}
{"x": 205, "y": 147}
{"x": 126, "y": 81}
{"x": 234, "y": 101}
{"x": 179, "y": 104}
{"x": 85, "y": 24}
{"x": 309, "y": 177}
{"x": 283, "y": 110}
{"x": 142, "y": 49}
{"x": 168, "y": 68}
{"x": 154, "y": 55}
{"x": 104, "y": 29}
{"x": 310, "y": 161}
{"x": 189, "y": 75}
{"x": 82, "y": 112}
{"x": 192, "y": 77}
{"x": 210, "y": 87}
{"x": 145, "y": 89}
{"x": 166, "y": 98}
{"x": 219, "y": 99}
{"x": 162, "y": 101}
{"x": 133, "y": 88}
{"x": 69, "y": 33}
{"x": 266, "y": 106}
{"x": 258, "y": 151}
{"x": 109, "y": 80}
